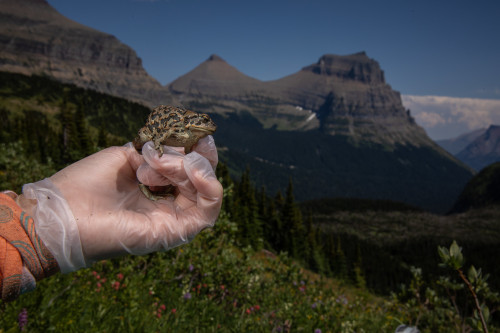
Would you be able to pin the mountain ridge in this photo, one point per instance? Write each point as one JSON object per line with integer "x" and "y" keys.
{"x": 335, "y": 126}
{"x": 484, "y": 150}
{"x": 36, "y": 39}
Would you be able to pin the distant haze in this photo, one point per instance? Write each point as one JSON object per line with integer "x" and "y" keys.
{"x": 448, "y": 117}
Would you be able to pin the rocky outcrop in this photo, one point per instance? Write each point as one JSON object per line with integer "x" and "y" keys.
{"x": 340, "y": 95}
{"x": 459, "y": 143}
{"x": 36, "y": 39}
{"x": 484, "y": 150}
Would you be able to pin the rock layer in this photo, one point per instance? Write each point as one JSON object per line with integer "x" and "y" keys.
{"x": 341, "y": 95}
{"x": 36, "y": 39}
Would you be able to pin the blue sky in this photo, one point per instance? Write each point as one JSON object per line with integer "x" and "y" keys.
{"x": 441, "y": 48}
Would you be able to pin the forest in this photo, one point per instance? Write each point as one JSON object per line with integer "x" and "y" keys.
{"x": 270, "y": 264}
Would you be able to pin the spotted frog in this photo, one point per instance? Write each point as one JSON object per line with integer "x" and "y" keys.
{"x": 172, "y": 126}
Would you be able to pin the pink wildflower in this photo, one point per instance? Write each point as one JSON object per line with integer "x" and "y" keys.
{"x": 116, "y": 285}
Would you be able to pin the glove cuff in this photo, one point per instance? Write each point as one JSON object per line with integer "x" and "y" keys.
{"x": 56, "y": 225}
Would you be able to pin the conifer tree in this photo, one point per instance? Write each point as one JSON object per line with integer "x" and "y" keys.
{"x": 341, "y": 269}
{"x": 102, "y": 137}
{"x": 247, "y": 214}
{"x": 359, "y": 276}
{"x": 313, "y": 252}
{"x": 68, "y": 139}
{"x": 83, "y": 136}
{"x": 292, "y": 222}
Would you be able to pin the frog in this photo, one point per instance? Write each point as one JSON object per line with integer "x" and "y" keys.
{"x": 176, "y": 127}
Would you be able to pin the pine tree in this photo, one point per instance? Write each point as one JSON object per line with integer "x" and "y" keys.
{"x": 359, "y": 276}
{"x": 292, "y": 222}
{"x": 102, "y": 137}
{"x": 275, "y": 234}
{"x": 68, "y": 139}
{"x": 247, "y": 214}
{"x": 341, "y": 269}
{"x": 85, "y": 144}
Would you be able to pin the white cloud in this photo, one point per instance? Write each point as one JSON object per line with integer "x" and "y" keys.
{"x": 445, "y": 117}
{"x": 429, "y": 119}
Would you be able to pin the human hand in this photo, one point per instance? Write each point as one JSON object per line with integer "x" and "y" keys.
{"x": 111, "y": 215}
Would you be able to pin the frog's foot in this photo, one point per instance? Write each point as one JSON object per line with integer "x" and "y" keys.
{"x": 166, "y": 193}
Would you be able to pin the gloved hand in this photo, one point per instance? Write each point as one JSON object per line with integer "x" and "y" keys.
{"x": 93, "y": 209}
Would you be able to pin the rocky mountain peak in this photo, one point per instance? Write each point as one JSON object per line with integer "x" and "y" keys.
{"x": 356, "y": 66}
{"x": 215, "y": 57}
{"x": 484, "y": 150}
{"x": 213, "y": 77}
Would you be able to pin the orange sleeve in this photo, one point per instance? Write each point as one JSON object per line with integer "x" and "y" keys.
{"x": 20, "y": 245}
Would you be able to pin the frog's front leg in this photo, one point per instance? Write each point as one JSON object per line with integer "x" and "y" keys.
{"x": 158, "y": 147}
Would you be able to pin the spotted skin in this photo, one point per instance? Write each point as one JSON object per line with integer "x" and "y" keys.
{"x": 176, "y": 127}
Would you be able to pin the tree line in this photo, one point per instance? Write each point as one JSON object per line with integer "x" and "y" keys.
{"x": 277, "y": 224}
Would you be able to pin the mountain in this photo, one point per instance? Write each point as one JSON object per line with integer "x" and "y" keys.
{"x": 484, "y": 150}
{"x": 36, "y": 39}
{"x": 335, "y": 127}
{"x": 213, "y": 78}
{"x": 340, "y": 95}
{"x": 481, "y": 191}
{"x": 457, "y": 144}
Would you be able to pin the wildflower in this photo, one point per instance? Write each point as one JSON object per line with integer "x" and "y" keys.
{"x": 248, "y": 311}
{"x": 99, "y": 285}
{"x": 119, "y": 276}
{"x": 116, "y": 285}
{"x": 163, "y": 307}
{"x": 314, "y": 305}
{"x": 317, "y": 330}
{"x": 22, "y": 319}
{"x": 191, "y": 267}
{"x": 187, "y": 295}
{"x": 174, "y": 310}
{"x": 222, "y": 287}
{"x": 257, "y": 307}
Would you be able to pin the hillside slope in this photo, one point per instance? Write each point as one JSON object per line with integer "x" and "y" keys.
{"x": 36, "y": 39}
{"x": 483, "y": 150}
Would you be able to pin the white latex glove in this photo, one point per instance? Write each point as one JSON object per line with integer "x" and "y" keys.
{"x": 94, "y": 209}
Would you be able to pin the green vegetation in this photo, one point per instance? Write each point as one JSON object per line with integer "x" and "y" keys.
{"x": 419, "y": 176}
{"x": 216, "y": 284}
{"x": 481, "y": 191}
{"x": 268, "y": 265}
{"x": 54, "y": 124}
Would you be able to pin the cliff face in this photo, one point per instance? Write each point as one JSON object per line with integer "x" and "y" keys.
{"x": 36, "y": 39}
{"x": 484, "y": 150}
{"x": 340, "y": 95}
